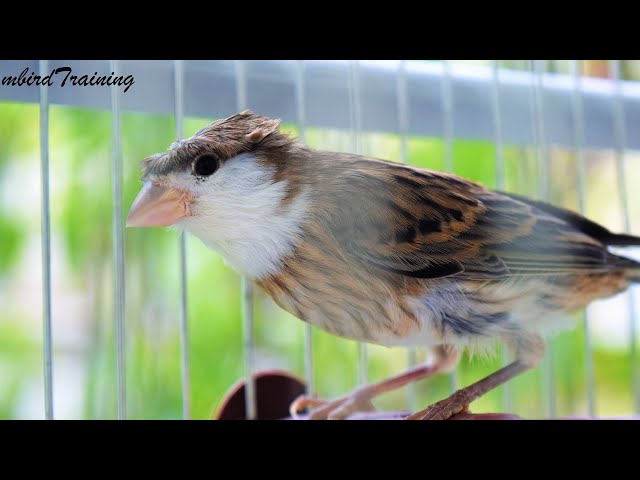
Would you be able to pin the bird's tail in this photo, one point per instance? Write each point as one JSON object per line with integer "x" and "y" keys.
{"x": 621, "y": 240}
{"x": 624, "y": 240}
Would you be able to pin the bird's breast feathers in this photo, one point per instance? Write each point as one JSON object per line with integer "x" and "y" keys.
{"x": 240, "y": 215}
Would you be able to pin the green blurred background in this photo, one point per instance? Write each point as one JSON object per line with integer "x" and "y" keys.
{"x": 84, "y": 352}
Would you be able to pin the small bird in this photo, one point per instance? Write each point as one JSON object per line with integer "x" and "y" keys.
{"x": 384, "y": 253}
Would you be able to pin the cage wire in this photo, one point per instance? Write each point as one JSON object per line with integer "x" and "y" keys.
{"x": 538, "y": 68}
{"x": 118, "y": 249}
{"x": 496, "y": 117}
{"x": 46, "y": 247}
{"x": 537, "y": 72}
{"x": 178, "y": 67}
{"x": 301, "y": 119}
{"x": 403, "y": 127}
{"x": 247, "y": 286}
{"x": 578, "y": 132}
{"x": 355, "y": 110}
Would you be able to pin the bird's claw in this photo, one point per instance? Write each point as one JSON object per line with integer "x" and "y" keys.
{"x": 338, "y": 409}
{"x": 444, "y": 409}
{"x": 302, "y": 402}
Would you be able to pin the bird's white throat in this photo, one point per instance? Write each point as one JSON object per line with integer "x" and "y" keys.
{"x": 238, "y": 212}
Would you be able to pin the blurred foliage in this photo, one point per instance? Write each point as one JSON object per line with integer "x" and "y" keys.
{"x": 81, "y": 200}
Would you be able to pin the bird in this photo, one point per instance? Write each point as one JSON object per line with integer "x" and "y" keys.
{"x": 382, "y": 252}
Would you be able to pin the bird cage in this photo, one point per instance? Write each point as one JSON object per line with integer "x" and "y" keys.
{"x": 147, "y": 327}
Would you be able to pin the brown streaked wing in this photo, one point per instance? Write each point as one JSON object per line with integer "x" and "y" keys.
{"x": 427, "y": 224}
{"x": 414, "y": 222}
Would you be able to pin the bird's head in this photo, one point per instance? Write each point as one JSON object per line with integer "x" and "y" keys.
{"x": 232, "y": 185}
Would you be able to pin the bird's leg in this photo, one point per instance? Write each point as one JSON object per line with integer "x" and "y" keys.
{"x": 460, "y": 400}
{"x": 528, "y": 349}
{"x": 360, "y": 399}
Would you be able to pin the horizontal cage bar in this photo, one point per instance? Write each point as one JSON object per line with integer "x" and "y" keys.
{"x": 210, "y": 91}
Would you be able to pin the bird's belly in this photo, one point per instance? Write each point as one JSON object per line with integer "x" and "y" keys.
{"x": 443, "y": 316}
{"x": 411, "y": 321}
{"x": 471, "y": 314}
{"x": 384, "y": 323}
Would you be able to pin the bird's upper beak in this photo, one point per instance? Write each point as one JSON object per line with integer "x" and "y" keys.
{"x": 157, "y": 205}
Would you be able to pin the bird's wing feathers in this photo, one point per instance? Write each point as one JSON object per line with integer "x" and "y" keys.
{"x": 584, "y": 225}
{"x": 429, "y": 224}
{"x": 550, "y": 246}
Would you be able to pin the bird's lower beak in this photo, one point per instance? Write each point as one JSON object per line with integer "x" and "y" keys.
{"x": 157, "y": 206}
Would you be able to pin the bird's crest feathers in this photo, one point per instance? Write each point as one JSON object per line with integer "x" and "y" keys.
{"x": 223, "y": 139}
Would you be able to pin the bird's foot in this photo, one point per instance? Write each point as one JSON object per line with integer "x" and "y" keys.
{"x": 444, "y": 409}
{"x": 338, "y": 409}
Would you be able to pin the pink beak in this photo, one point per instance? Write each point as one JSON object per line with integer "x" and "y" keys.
{"x": 158, "y": 206}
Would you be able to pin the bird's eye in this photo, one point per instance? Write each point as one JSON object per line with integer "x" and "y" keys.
{"x": 205, "y": 165}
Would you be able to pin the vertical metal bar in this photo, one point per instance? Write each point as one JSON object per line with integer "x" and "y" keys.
{"x": 447, "y": 115}
{"x": 251, "y": 406}
{"x": 539, "y": 68}
{"x": 500, "y": 185}
{"x": 308, "y": 329}
{"x": 178, "y": 73}
{"x": 529, "y": 66}
{"x": 578, "y": 135}
{"x": 46, "y": 245}
{"x": 402, "y": 97}
{"x": 621, "y": 146}
{"x": 118, "y": 248}
{"x": 355, "y": 102}
{"x": 497, "y": 125}
{"x": 542, "y": 155}
{"x": 446, "y": 95}
{"x": 363, "y": 363}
